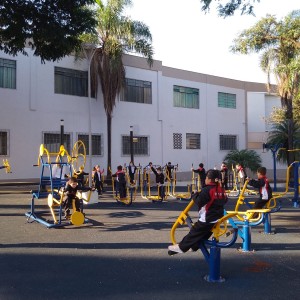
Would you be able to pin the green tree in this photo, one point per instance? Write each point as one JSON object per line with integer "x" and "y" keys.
{"x": 116, "y": 35}
{"x": 229, "y": 7}
{"x": 279, "y": 43}
{"x": 279, "y": 136}
{"x": 51, "y": 27}
{"x": 247, "y": 158}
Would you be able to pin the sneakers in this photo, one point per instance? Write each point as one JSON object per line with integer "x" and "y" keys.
{"x": 174, "y": 249}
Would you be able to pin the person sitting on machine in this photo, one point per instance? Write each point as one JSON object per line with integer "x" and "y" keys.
{"x": 210, "y": 201}
{"x": 265, "y": 190}
{"x": 70, "y": 191}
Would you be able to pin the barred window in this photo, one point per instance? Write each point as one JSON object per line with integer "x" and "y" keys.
{"x": 140, "y": 145}
{"x": 226, "y": 100}
{"x": 71, "y": 82}
{"x": 185, "y": 97}
{"x": 96, "y": 143}
{"x": 3, "y": 143}
{"x": 52, "y": 142}
{"x": 138, "y": 91}
{"x": 8, "y": 70}
{"x": 177, "y": 140}
{"x": 192, "y": 141}
{"x": 228, "y": 142}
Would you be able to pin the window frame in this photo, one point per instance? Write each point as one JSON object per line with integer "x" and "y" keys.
{"x": 8, "y": 70}
{"x": 135, "y": 153}
{"x": 4, "y": 147}
{"x": 197, "y": 139}
{"x": 185, "y": 93}
{"x": 73, "y": 82}
{"x": 94, "y": 145}
{"x": 225, "y": 101}
{"x": 223, "y": 148}
{"x": 140, "y": 91}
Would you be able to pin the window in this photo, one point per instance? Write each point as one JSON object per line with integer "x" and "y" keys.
{"x": 52, "y": 142}
{"x": 96, "y": 143}
{"x": 71, "y": 82}
{"x": 177, "y": 141}
{"x": 185, "y": 97}
{"x": 228, "y": 142}
{"x": 8, "y": 73}
{"x": 140, "y": 145}
{"x": 138, "y": 91}
{"x": 192, "y": 141}
{"x": 226, "y": 100}
{"x": 3, "y": 143}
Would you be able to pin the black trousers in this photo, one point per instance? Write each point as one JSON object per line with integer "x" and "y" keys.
{"x": 200, "y": 231}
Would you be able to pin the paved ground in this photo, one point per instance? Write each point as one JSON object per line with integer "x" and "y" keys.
{"x": 122, "y": 254}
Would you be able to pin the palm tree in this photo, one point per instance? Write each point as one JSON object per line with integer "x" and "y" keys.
{"x": 279, "y": 136}
{"x": 249, "y": 159}
{"x": 116, "y": 35}
{"x": 279, "y": 43}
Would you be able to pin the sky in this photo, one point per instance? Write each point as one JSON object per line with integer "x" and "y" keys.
{"x": 184, "y": 37}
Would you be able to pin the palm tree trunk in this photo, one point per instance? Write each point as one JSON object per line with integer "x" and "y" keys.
{"x": 108, "y": 121}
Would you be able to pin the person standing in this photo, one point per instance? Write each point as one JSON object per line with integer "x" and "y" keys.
{"x": 98, "y": 180}
{"x": 224, "y": 175}
{"x": 131, "y": 171}
{"x": 201, "y": 172}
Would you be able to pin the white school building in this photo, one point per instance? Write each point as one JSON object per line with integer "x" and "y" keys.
{"x": 175, "y": 115}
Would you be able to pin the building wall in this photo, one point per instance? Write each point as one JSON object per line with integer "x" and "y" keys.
{"x": 34, "y": 108}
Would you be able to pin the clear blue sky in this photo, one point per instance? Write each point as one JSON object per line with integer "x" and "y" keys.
{"x": 185, "y": 37}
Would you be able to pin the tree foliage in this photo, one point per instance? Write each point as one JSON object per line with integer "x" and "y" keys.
{"x": 227, "y": 8}
{"x": 279, "y": 136}
{"x": 247, "y": 158}
{"x": 116, "y": 35}
{"x": 278, "y": 41}
{"x": 52, "y": 28}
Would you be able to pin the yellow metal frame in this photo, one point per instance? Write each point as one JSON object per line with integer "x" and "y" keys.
{"x": 220, "y": 228}
{"x": 127, "y": 200}
{"x": 147, "y": 177}
{"x": 77, "y": 218}
{"x": 6, "y": 165}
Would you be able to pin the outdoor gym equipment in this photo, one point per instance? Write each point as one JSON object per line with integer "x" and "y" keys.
{"x": 52, "y": 188}
{"x": 6, "y": 166}
{"x": 170, "y": 180}
{"x": 78, "y": 158}
{"x": 194, "y": 186}
{"x": 211, "y": 249}
{"x": 146, "y": 185}
{"x": 246, "y": 218}
{"x": 131, "y": 189}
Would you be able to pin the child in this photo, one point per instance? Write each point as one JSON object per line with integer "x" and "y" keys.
{"x": 71, "y": 190}
{"x": 80, "y": 177}
{"x": 160, "y": 180}
{"x": 265, "y": 191}
{"x": 224, "y": 175}
{"x": 210, "y": 201}
{"x": 131, "y": 171}
{"x": 169, "y": 171}
{"x": 241, "y": 174}
{"x": 120, "y": 182}
{"x": 202, "y": 174}
{"x": 97, "y": 179}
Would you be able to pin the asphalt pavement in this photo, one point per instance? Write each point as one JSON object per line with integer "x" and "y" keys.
{"x": 121, "y": 253}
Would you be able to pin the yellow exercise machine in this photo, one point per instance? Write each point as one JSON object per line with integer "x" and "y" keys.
{"x": 131, "y": 188}
{"x": 6, "y": 166}
{"x": 54, "y": 167}
{"x": 211, "y": 249}
{"x": 146, "y": 183}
